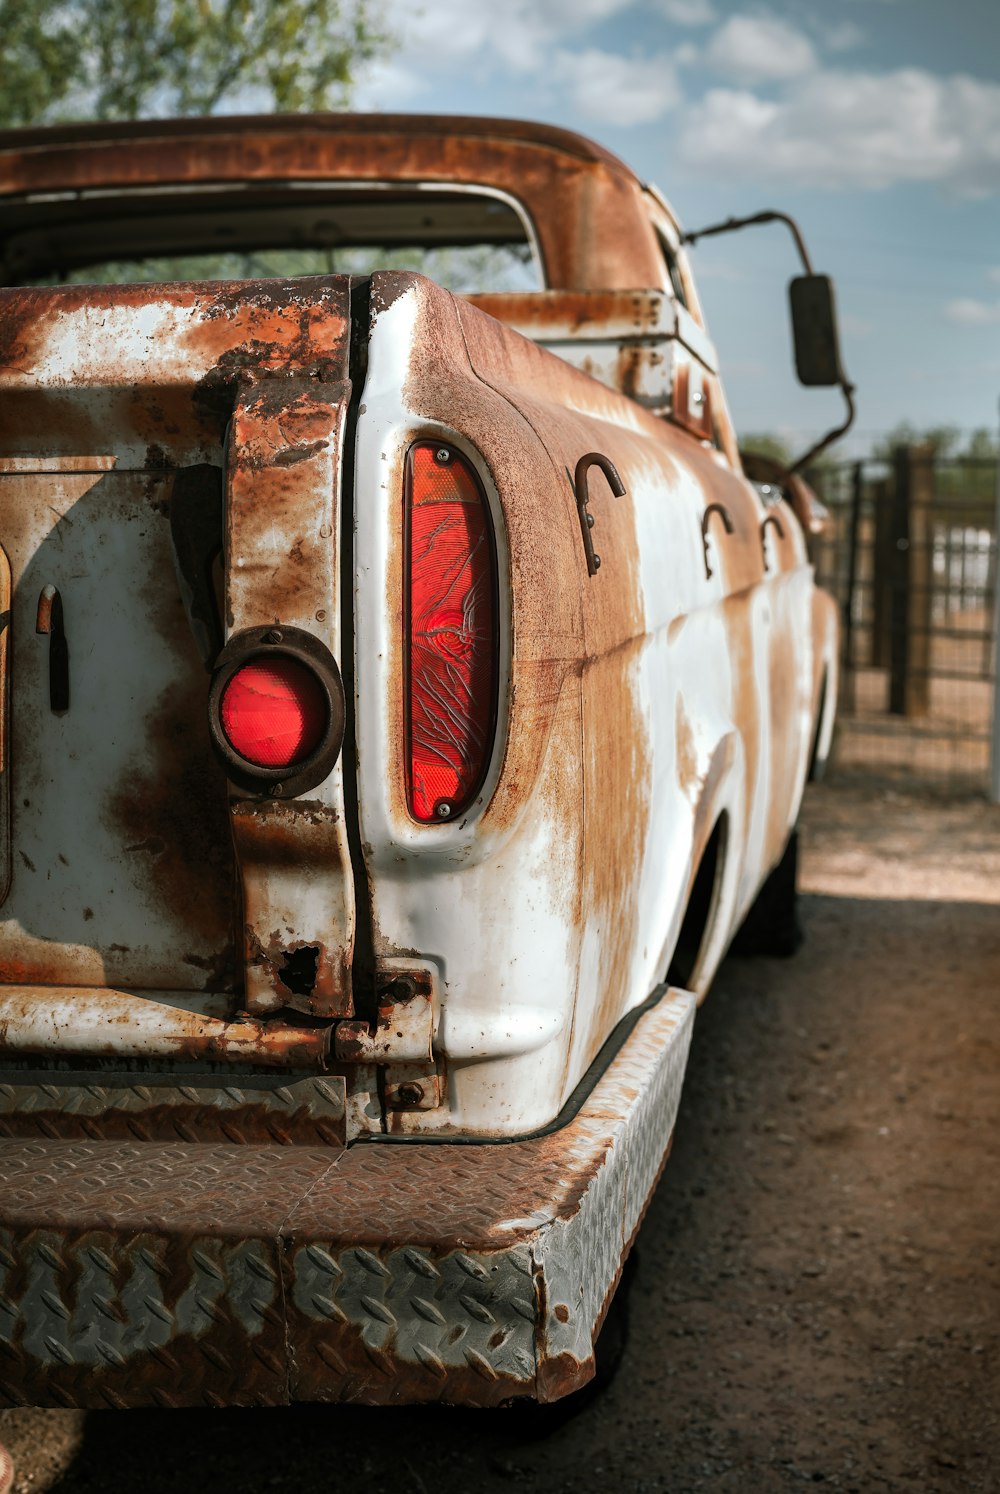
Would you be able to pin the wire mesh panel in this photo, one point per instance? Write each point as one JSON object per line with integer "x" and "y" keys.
{"x": 910, "y": 554}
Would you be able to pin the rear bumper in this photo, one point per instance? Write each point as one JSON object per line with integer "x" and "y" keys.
{"x": 136, "y": 1274}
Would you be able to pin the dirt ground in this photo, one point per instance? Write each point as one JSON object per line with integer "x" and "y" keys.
{"x": 817, "y": 1298}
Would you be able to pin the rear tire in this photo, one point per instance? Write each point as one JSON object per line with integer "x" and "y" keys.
{"x": 772, "y": 925}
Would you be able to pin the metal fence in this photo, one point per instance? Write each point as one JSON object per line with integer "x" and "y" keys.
{"x": 910, "y": 554}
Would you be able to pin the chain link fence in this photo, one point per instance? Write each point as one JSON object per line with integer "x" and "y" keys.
{"x": 910, "y": 553}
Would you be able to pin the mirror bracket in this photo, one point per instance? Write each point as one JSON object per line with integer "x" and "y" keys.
{"x": 811, "y": 301}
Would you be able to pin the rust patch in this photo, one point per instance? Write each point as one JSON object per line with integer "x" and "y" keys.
{"x": 275, "y": 842}
{"x": 786, "y": 708}
{"x": 190, "y": 1123}
{"x": 617, "y": 786}
{"x": 604, "y": 312}
{"x": 688, "y": 776}
{"x": 172, "y": 810}
{"x": 745, "y": 706}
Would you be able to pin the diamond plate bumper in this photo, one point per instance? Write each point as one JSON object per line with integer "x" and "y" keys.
{"x": 181, "y": 1274}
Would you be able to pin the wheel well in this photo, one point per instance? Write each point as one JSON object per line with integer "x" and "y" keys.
{"x": 701, "y": 907}
{"x": 817, "y": 768}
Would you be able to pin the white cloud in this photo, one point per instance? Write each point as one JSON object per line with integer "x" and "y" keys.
{"x": 688, "y": 12}
{"x": 852, "y": 129}
{"x": 973, "y": 313}
{"x": 760, "y": 49}
{"x": 843, "y": 37}
{"x": 518, "y": 33}
{"x": 617, "y": 90}
{"x": 387, "y": 84}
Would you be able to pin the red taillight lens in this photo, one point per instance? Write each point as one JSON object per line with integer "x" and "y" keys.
{"x": 273, "y": 712}
{"x": 451, "y": 632}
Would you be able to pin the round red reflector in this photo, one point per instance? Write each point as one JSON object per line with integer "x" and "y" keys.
{"x": 273, "y": 712}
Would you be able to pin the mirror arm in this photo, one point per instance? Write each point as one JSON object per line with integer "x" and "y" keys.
{"x": 831, "y": 436}
{"x": 731, "y": 224}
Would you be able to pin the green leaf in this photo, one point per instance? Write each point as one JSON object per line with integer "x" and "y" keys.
{"x": 122, "y": 59}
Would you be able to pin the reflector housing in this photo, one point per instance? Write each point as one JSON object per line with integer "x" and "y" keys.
{"x": 276, "y": 710}
{"x": 450, "y": 633}
{"x": 273, "y": 712}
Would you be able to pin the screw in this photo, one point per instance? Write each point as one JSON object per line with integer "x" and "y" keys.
{"x": 276, "y": 790}
{"x": 273, "y": 636}
{"x": 410, "y": 1094}
{"x": 597, "y": 562}
{"x": 590, "y": 521}
{"x": 444, "y": 810}
{"x": 442, "y": 454}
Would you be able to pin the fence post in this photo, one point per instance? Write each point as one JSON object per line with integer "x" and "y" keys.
{"x": 857, "y": 488}
{"x": 882, "y": 553}
{"x": 910, "y": 618}
{"x": 995, "y": 735}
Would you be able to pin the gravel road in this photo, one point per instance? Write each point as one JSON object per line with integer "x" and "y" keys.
{"x": 817, "y": 1298}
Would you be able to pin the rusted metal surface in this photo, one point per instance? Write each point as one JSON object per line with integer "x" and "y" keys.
{"x": 247, "y": 1110}
{"x": 125, "y": 857}
{"x": 190, "y": 1274}
{"x": 137, "y": 1273}
{"x": 146, "y": 377}
{"x": 640, "y": 343}
{"x": 101, "y": 1022}
{"x": 404, "y": 1026}
{"x": 282, "y": 567}
{"x": 575, "y": 194}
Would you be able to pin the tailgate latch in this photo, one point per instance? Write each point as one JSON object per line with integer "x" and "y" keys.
{"x": 400, "y": 1041}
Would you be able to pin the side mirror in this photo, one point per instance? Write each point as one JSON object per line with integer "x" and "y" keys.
{"x": 814, "y": 329}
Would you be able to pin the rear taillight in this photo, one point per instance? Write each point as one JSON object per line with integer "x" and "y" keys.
{"x": 273, "y": 712}
{"x": 451, "y": 633}
{"x": 276, "y": 710}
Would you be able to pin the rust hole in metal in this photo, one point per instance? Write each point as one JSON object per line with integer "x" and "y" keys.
{"x": 298, "y": 973}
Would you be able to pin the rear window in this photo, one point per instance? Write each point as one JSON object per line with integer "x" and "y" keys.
{"x": 468, "y": 241}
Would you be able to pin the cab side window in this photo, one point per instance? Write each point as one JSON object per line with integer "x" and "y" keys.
{"x": 673, "y": 271}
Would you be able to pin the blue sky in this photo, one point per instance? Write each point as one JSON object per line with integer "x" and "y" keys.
{"x": 875, "y": 122}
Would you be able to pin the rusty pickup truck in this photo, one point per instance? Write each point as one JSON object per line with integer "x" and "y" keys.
{"x": 405, "y": 694}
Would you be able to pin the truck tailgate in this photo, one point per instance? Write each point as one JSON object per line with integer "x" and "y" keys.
{"x": 169, "y": 474}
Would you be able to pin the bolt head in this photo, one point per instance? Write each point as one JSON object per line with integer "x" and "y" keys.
{"x": 410, "y": 1094}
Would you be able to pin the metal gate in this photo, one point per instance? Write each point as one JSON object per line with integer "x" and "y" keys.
{"x": 910, "y": 554}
